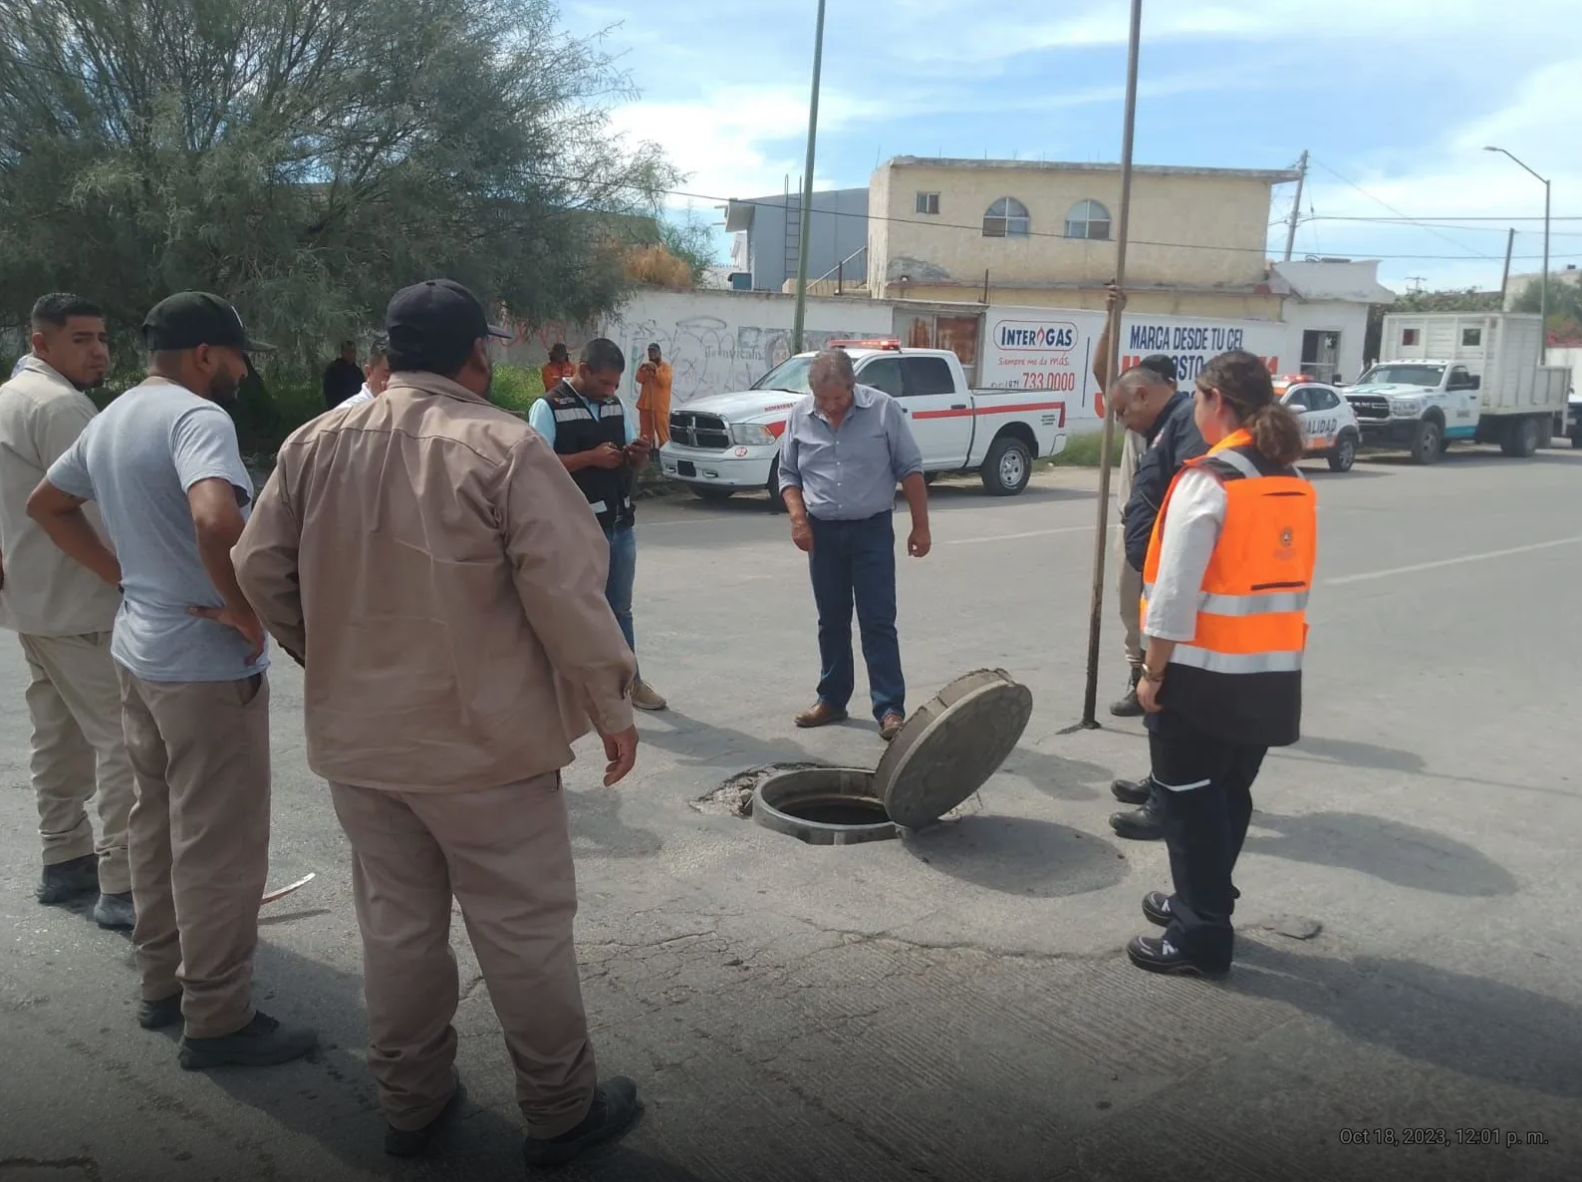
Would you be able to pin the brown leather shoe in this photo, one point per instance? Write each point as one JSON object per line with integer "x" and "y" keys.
{"x": 891, "y": 726}
{"x": 822, "y": 714}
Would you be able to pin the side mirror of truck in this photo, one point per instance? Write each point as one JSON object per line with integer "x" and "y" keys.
{"x": 1474, "y": 382}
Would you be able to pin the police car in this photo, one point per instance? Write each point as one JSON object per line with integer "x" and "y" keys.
{"x": 1329, "y": 425}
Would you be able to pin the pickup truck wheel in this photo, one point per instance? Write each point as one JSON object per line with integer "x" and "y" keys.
{"x": 713, "y": 495}
{"x": 1344, "y": 455}
{"x": 1520, "y": 439}
{"x": 1428, "y": 444}
{"x": 1008, "y": 468}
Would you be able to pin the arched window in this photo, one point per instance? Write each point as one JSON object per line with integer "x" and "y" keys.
{"x": 1007, "y": 218}
{"x": 1088, "y": 219}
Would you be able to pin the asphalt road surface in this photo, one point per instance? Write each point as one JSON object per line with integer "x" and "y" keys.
{"x": 957, "y": 1005}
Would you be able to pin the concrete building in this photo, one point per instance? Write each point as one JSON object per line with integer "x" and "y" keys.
{"x": 1327, "y": 301}
{"x": 768, "y": 230}
{"x": 1042, "y": 234}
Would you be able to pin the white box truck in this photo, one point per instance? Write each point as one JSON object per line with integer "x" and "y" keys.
{"x": 1444, "y": 377}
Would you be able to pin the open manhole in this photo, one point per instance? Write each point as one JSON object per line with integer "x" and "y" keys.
{"x": 947, "y": 751}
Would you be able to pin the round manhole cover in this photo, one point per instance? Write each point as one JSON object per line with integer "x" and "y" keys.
{"x": 951, "y": 746}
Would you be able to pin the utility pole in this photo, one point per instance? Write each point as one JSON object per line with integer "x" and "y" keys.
{"x": 1123, "y": 227}
{"x": 807, "y": 188}
{"x": 1543, "y": 286}
{"x": 1505, "y": 277}
{"x": 1296, "y": 206}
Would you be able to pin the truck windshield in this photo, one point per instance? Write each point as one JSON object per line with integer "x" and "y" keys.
{"x": 1404, "y": 375}
{"x": 790, "y": 376}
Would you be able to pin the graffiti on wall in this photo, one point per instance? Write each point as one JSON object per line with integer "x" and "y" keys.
{"x": 711, "y": 356}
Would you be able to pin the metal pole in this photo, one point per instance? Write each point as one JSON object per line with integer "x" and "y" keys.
{"x": 1296, "y": 207}
{"x": 807, "y": 188}
{"x": 1100, "y": 541}
{"x": 1505, "y": 276}
{"x": 1543, "y": 304}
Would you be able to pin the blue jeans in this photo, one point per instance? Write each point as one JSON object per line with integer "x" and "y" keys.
{"x": 623, "y": 575}
{"x": 855, "y": 560}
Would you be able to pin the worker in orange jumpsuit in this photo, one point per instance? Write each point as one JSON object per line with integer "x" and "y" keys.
{"x": 1225, "y": 588}
{"x": 558, "y": 368}
{"x": 653, "y": 398}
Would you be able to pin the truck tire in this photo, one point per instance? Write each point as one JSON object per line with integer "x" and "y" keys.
{"x": 1428, "y": 444}
{"x": 1520, "y": 439}
{"x": 1008, "y": 468}
{"x": 1344, "y": 454}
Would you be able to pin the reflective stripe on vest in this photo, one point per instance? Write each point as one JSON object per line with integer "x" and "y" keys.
{"x": 1263, "y": 604}
{"x": 1212, "y": 662}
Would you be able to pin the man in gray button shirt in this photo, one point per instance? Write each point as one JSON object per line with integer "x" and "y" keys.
{"x": 841, "y": 456}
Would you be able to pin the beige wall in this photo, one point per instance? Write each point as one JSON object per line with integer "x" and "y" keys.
{"x": 1233, "y": 307}
{"x": 1219, "y": 223}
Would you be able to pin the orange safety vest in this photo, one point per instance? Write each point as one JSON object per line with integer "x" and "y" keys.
{"x": 1240, "y": 677}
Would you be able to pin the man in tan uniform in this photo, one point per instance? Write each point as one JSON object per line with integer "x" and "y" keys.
{"x": 431, "y": 563}
{"x": 63, "y": 615}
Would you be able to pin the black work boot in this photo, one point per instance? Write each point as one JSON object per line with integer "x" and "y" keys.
{"x": 615, "y": 1107}
{"x": 1142, "y": 824}
{"x": 1133, "y": 791}
{"x": 115, "y": 912}
{"x": 263, "y": 1042}
{"x": 414, "y": 1142}
{"x": 64, "y": 881}
{"x": 1129, "y": 706}
{"x": 156, "y": 1015}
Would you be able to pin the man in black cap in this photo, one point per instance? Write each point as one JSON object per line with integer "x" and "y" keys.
{"x": 437, "y": 570}
{"x": 162, "y": 464}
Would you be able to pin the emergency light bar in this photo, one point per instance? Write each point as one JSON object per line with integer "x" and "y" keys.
{"x": 875, "y": 343}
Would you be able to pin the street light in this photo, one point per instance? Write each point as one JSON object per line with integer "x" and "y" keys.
{"x": 1543, "y": 301}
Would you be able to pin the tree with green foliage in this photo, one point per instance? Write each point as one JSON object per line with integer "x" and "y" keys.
{"x": 1565, "y": 308}
{"x": 305, "y": 158}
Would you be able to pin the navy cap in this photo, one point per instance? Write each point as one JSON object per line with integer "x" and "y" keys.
{"x": 433, "y": 325}
{"x": 192, "y": 318}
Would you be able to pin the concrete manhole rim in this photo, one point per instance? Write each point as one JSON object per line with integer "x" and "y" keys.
{"x": 772, "y": 817}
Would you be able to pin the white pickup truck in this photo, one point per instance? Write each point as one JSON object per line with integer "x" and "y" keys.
{"x": 1448, "y": 376}
{"x": 730, "y": 443}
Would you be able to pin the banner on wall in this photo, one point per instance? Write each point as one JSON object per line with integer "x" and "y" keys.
{"x": 1052, "y": 349}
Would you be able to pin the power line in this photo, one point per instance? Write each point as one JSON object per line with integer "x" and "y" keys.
{"x": 1375, "y": 197}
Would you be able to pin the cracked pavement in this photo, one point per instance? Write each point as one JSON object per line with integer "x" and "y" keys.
{"x": 956, "y": 1005}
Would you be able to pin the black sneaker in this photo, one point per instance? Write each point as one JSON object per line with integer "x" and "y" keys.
{"x": 414, "y": 1142}
{"x": 156, "y": 1015}
{"x": 115, "y": 912}
{"x": 1142, "y": 824}
{"x": 1132, "y": 791}
{"x": 1160, "y": 956}
{"x": 615, "y": 1108}
{"x": 64, "y": 881}
{"x": 263, "y": 1042}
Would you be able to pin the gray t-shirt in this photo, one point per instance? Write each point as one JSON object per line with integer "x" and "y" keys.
{"x": 137, "y": 460}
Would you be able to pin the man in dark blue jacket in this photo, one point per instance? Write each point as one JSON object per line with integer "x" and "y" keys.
{"x": 1147, "y": 402}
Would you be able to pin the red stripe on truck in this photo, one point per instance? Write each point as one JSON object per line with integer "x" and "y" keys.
{"x": 1014, "y": 408}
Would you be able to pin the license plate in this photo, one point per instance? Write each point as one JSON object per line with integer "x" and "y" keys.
{"x": 686, "y": 468}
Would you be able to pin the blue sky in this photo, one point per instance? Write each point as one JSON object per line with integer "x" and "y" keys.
{"x": 1394, "y": 98}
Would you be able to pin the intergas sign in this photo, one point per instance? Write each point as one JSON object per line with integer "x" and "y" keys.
{"x": 1052, "y": 349}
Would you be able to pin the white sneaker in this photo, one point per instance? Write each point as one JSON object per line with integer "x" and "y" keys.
{"x": 645, "y": 697}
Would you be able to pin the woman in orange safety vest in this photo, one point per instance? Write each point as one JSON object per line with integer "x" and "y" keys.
{"x": 1225, "y": 592}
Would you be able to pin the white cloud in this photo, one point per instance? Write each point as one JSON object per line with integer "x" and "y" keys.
{"x": 721, "y": 141}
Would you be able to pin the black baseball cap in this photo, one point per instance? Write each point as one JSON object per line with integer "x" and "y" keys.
{"x": 192, "y": 318}
{"x": 433, "y": 326}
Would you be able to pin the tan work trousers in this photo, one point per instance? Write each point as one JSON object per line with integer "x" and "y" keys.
{"x": 505, "y": 854}
{"x": 200, "y": 841}
{"x": 74, "y": 699}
